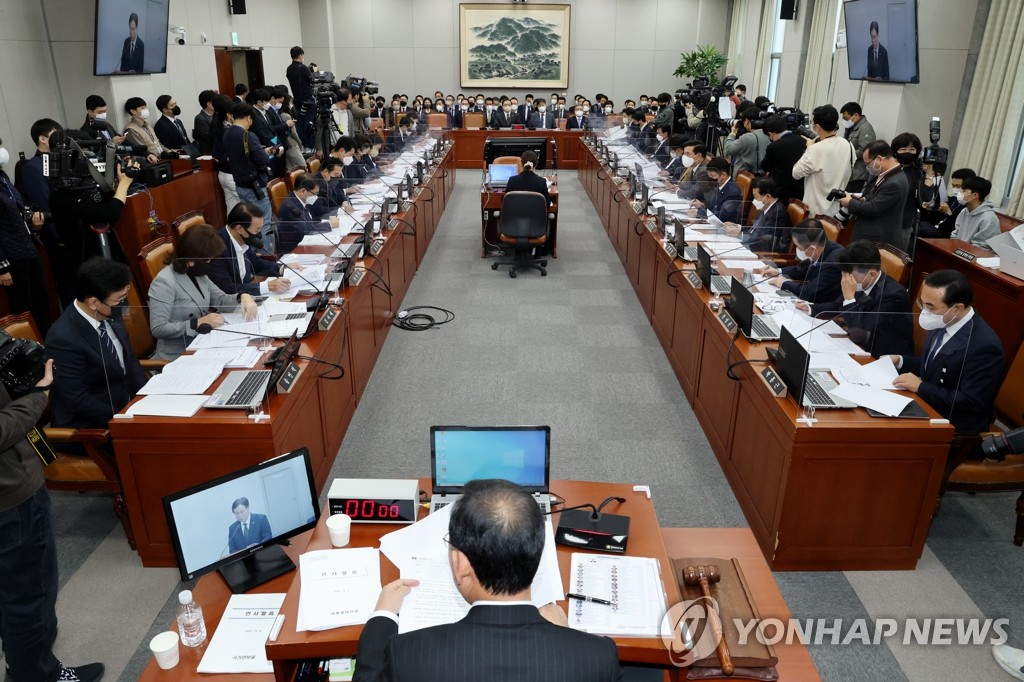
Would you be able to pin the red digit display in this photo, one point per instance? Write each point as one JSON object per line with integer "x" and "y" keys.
{"x": 367, "y": 512}
{"x": 375, "y": 510}
{"x": 352, "y": 508}
{"x": 394, "y": 511}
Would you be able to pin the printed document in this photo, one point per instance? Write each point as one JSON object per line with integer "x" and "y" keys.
{"x": 239, "y": 644}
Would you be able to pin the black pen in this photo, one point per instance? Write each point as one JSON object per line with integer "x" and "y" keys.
{"x": 595, "y": 600}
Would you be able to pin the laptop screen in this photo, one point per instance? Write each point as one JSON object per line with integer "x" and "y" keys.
{"x": 460, "y": 454}
{"x": 501, "y": 172}
{"x": 742, "y": 305}
{"x": 704, "y": 267}
{"x": 792, "y": 361}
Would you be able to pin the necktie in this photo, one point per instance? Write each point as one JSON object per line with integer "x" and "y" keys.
{"x": 108, "y": 345}
{"x": 181, "y": 129}
{"x": 245, "y": 532}
{"x": 939, "y": 338}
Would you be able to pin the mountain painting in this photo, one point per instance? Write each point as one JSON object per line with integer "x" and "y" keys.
{"x": 515, "y": 45}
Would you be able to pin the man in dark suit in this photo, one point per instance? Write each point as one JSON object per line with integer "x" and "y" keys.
{"x": 816, "y": 277}
{"x": 878, "y": 57}
{"x": 96, "y": 370}
{"x": 780, "y": 157}
{"x": 723, "y": 198}
{"x": 495, "y": 541}
{"x": 133, "y": 52}
{"x": 694, "y": 181}
{"x": 660, "y": 149}
{"x": 201, "y": 123}
{"x": 961, "y": 363}
{"x": 674, "y": 168}
{"x": 248, "y": 529}
{"x": 169, "y": 129}
{"x": 577, "y": 121}
{"x": 295, "y": 217}
{"x": 504, "y": 117}
{"x": 771, "y": 231}
{"x": 239, "y": 270}
{"x": 874, "y": 308}
{"x": 879, "y": 211}
{"x": 454, "y": 112}
{"x": 526, "y": 110}
{"x": 541, "y": 118}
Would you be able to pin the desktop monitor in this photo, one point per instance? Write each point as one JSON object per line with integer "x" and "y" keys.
{"x": 460, "y": 454}
{"x": 419, "y": 172}
{"x": 385, "y": 213}
{"x": 409, "y": 186}
{"x": 645, "y": 197}
{"x": 515, "y": 146}
{"x": 235, "y": 523}
{"x": 631, "y": 179}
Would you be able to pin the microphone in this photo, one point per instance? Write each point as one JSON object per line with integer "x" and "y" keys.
{"x": 206, "y": 328}
{"x": 260, "y": 249}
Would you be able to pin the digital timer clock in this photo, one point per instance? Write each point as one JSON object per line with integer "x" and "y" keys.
{"x": 375, "y": 500}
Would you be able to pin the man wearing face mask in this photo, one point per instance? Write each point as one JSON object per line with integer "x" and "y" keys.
{"x": 525, "y": 111}
{"x": 816, "y": 277}
{"x": 96, "y": 370}
{"x": 663, "y": 113}
{"x": 296, "y": 216}
{"x": 859, "y": 131}
{"x": 138, "y": 132}
{"x": 332, "y": 183}
{"x": 879, "y": 211}
{"x": 961, "y": 363}
{"x": 782, "y": 154}
{"x": 694, "y": 181}
{"x": 723, "y": 199}
{"x": 169, "y": 129}
{"x": 660, "y": 151}
{"x": 747, "y": 149}
{"x": 182, "y": 297}
{"x": 771, "y": 229}
{"x": 642, "y": 133}
{"x": 541, "y": 118}
{"x": 978, "y": 222}
{"x": 239, "y": 269}
{"x": 505, "y": 117}
{"x": 674, "y": 168}
{"x": 96, "y": 125}
{"x": 248, "y": 165}
{"x": 874, "y": 308}
{"x": 576, "y": 120}
{"x": 827, "y": 162}
{"x": 942, "y": 215}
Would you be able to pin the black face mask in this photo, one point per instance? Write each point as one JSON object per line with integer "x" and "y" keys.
{"x": 906, "y": 158}
{"x": 117, "y": 311}
{"x": 176, "y": 111}
{"x": 200, "y": 269}
{"x": 253, "y": 240}
{"x": 403, "y": 103}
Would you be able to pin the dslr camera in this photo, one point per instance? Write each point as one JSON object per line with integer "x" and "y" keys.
{"x": 998, "y": 445}
{"x": 835, "y": 194}
{"x": 935, "y": 153}
{"x": 21, "y": 364}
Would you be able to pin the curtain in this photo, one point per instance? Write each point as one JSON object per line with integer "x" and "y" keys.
{"x": 820, "y": 56}
{"x": 1016, "y": 206}
{"x": 758, "y": 85}
{"x": 993, "y": 117}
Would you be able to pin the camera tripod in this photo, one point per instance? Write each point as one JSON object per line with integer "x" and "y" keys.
{"x": 324, "y": 129}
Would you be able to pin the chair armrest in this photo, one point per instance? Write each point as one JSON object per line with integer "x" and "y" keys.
{"x": 151, "y": 365}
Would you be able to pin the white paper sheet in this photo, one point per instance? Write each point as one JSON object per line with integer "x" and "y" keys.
{"x": 742, "y": 264}
{"x": 187, "y": 375}
{"x": 239, "y": 644}
{"x": 338, "y": 587}
{"x": 167, "y": 406}
{"x": 878, "y": 374}
{"x": 634, "y": 586}
{"x": 885, "y": 402}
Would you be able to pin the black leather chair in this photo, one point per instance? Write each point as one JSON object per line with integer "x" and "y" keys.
{"x": 524, "y": 227}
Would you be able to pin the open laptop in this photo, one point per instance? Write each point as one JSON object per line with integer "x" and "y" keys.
{"x": 754, "y": 327}
{"x": 500, "y": 174}
{"x": 809, "y": 388}
{"x": 245, "y": 389}
{"x": 460, "y": 454}
{"x": 716, "y": 284}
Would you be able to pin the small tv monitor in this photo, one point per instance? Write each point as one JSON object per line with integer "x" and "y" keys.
{"x": 881, "y": 40}
{"x": 157, "y": 174}
{"x": 385, "y": 212}
{"x": 235, "y": 523}
{"x": 631, "y": 179}
{"x": 130, "y": 37}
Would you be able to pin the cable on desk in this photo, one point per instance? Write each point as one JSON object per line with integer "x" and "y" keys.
{"x": 432, "y": 193}
{"x": 382, "y": 286}
{"x": 668, "y": 277}
{"x": 417, "y": 322}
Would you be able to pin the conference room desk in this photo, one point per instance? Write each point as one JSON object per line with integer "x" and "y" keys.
{"x": 845, "y": 492}
{"x": 188, "y": 191}
{"x": 998, "y": 297}
{"x": 469, "y": 145}
{"x": 157, "y": 456}
{"x": 646, "y": 539}
{"x": 490, "y": 206}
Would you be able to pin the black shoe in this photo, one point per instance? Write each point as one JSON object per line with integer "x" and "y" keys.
{"x": 83, "y": 673}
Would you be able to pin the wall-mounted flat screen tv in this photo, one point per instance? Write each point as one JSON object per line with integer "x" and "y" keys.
{"x": 131, "y": 37}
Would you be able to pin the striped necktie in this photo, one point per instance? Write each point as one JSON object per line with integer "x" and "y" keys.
{"x": 108, "y": 345}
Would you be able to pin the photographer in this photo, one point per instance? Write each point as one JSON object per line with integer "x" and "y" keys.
{"x": 880, "y": 210}
{"x": 300, "y": 78}
{"x": 249, "y": 166}
{"x": 749, "y": 148}
{"x": 859, "y": 131}
{"x": 781, "y": 156}
{"x": 21, "y": 270}
{"x": 826, "y": 163}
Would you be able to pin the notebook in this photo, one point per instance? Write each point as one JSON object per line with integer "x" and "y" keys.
{"x": 460, "y": 454}
{"x": 500, "y": 173}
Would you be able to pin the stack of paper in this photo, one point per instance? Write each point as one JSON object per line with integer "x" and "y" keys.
{"x": 167, "y": 406}
{"x": 632, "y": 584}
{"x": 239, "y": 644}
{"x": 338, "y": 587}
{"x": 188, "y": 375}
{"x": 886, "y": 402}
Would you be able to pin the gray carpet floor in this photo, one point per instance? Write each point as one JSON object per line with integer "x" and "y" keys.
{"x": 572, "y": 350}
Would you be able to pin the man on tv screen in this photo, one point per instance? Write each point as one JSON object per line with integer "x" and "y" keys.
{"x": 249, "y": 529}
{"x": 878, "y": 58}
{"x": 133, "y": 53}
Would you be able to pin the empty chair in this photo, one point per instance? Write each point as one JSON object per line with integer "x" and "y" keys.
{"x": 187, "y": 220}
{"x": 524, "y": 227}
{"x": 278, "y": 193}
{"x": 895, "y": 263}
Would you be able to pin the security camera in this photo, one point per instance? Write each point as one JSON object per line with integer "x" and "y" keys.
{"x": 180, "y": 32}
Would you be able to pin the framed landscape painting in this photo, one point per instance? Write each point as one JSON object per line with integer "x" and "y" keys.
{"x": 514, "y": 45}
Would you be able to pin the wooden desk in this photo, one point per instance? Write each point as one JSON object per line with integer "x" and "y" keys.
{"x": 188, "y": 191}
{"x": 490, "y": 205}
{"x": 998, "y": 298}
{"x": 850, "y": 492}
{"x": 469, "y": 145}
{"x": 159, "y": 456}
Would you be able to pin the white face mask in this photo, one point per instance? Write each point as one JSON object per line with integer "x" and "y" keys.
{"x": 277, "y": 107}
{"x": 675, "y": 155}
{"x": 643, "y": 103}
{"x": 579, "y": 112}
{"x": 490, "y": 108}
{"x": 758, "y": 204}
{"x": 542, "y": 109}
{"x": 465, "y": 107}
{"x": 440, "y": 107}
{"x": 347, "y": 161}
{"x": 661, "y": 138}
{"x": 930, "y": 321}
{"x": 101, "y": 117}
{"x": 5, "y": 156}
{"x": 585, "y": 108}
{"x": 688, "y": 161}
{"x": 479, "y": 102}
{"x": 607, "y": 110}
{"x": 959, "y": 195}
{"x": 144, "y": 114}
{"x": 373, "y": 153}
{"x": 801, "y": 254}
{"x": 847, "y": 124}
{"x": 311, "y": 199}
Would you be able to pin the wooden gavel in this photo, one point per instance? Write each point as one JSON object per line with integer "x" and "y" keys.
{"x": 703, "y": 575}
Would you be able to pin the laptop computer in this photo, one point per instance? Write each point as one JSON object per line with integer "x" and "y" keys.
{"x": 809, "y": 388}
{"x": 246, "y": 389}
{"x": 500, "y": 173}
{"x": 460, "y": 454}
{"x": 754, "y": 327}
{"x": 716, "y": 284}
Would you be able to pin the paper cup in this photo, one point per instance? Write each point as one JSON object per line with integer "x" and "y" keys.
{"x": 165, "y": 649}
{"x": 340, "y": 528}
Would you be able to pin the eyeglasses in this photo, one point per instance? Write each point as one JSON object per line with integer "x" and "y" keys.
{"x": 448, "y": 543}
{"x": 122, "y": 300}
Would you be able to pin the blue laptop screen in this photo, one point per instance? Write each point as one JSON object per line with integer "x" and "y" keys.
{"x": 501, "y": 172}
{"x": 462, "y": 454}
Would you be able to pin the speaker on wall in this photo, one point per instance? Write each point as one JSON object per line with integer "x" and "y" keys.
{"x": 787, "y": 9}
{"x": 236, "y": 6}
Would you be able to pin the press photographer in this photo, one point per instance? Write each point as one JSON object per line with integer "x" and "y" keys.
{"x": 249, "y": 166}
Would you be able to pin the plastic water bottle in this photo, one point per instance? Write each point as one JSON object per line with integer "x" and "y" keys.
{"x": 191, "y": 625}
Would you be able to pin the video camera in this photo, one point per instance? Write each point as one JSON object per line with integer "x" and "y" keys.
{"x": 935, "y": 153}
{"x": 21, "y": 364}
{"x": 323, "y": 91}
{"x": 796, "y": 120}
{"x": 86, "y": 164}
{"x": 357, "y": 84}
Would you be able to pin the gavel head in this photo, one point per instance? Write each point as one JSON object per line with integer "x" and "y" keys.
{"x": 692, "y": 575}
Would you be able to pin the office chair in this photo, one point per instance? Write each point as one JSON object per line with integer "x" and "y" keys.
{"x": 895, "y": 262}
{"x": 188, "y": 220}
{"x": 524, "y": 226}
{"x": 152, "y": 258}
{"x": 278, "y": 192}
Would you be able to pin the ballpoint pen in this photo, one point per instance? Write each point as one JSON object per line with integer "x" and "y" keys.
{"x": 594, "y": 600}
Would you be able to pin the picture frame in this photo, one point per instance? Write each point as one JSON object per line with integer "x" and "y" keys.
{"x": 514, "y": 45}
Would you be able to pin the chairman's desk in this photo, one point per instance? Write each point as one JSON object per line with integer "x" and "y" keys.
{"x": 848, "y": 492}
{"x": 159, "y": 456}
{"x": 469, "y": 145}
{"x": 646, "y": 539}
